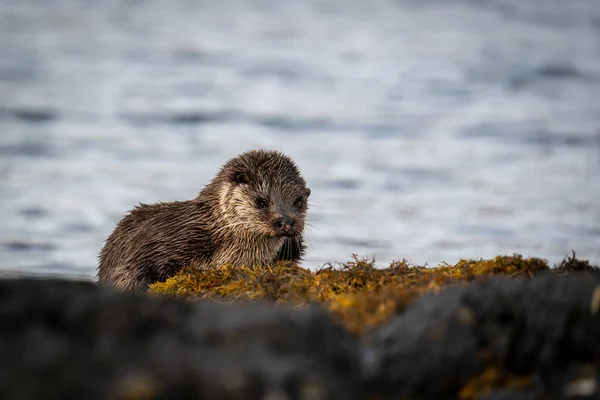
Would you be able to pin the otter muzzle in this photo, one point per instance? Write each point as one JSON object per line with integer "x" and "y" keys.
{"x": 284, "y": 226}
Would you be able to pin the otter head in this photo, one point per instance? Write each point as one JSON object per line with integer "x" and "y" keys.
{"x": 264, "y": 193}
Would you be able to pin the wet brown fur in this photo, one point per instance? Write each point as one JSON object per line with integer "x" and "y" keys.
{"x": 230, "y": 222}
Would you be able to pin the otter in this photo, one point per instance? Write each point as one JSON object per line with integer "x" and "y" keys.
{"x": 251, "y": 214}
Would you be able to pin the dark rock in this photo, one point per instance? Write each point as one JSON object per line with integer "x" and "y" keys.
{"x": 61, "y": 339}
{"x": 546, "y": 329}
{"x": 427, "y": 352}
{"x": 69, "y": 339}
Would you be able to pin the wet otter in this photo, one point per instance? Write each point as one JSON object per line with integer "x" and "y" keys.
{"x": 251, "y": 213}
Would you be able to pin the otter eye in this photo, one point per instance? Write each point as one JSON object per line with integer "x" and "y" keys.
{"x": 241, "y": 178}
{"x": 299, "y": 201}
{"x": 261, "y": 203}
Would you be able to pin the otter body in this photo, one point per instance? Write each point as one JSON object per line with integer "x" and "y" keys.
{"x": 251, "y": 213}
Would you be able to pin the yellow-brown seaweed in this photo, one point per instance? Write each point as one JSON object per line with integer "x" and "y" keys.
{"x": 359, "y": 294}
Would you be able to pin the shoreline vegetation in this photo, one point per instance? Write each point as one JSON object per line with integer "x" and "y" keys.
{"x": 359, "y": 294}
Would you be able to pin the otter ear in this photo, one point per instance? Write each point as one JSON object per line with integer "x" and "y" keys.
{"x": 241, "y": 178}
{"x": 307, "y": 192}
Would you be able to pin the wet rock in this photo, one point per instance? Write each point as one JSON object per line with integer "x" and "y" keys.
{"x": 69, "y": 339}
{"x": 539, "y": 336}
{"x": 498, "y": 337}
{"x": 427, "y": 352}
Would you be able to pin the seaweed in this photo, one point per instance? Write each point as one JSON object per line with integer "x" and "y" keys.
{"x": 358, "y": 293}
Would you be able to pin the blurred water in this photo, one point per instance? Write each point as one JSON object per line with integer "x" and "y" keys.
{"x": 430, "y": 130}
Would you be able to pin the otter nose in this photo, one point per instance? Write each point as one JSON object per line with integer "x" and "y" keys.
{"x": 285, "y": 224}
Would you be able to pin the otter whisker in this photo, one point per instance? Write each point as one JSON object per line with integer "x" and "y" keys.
{"x": 307, "y": 237}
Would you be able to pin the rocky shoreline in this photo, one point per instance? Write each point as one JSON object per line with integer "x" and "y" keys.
{"x": 497, "y": 335}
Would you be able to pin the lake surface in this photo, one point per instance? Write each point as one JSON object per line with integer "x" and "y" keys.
{"x": 427, "y": 130}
